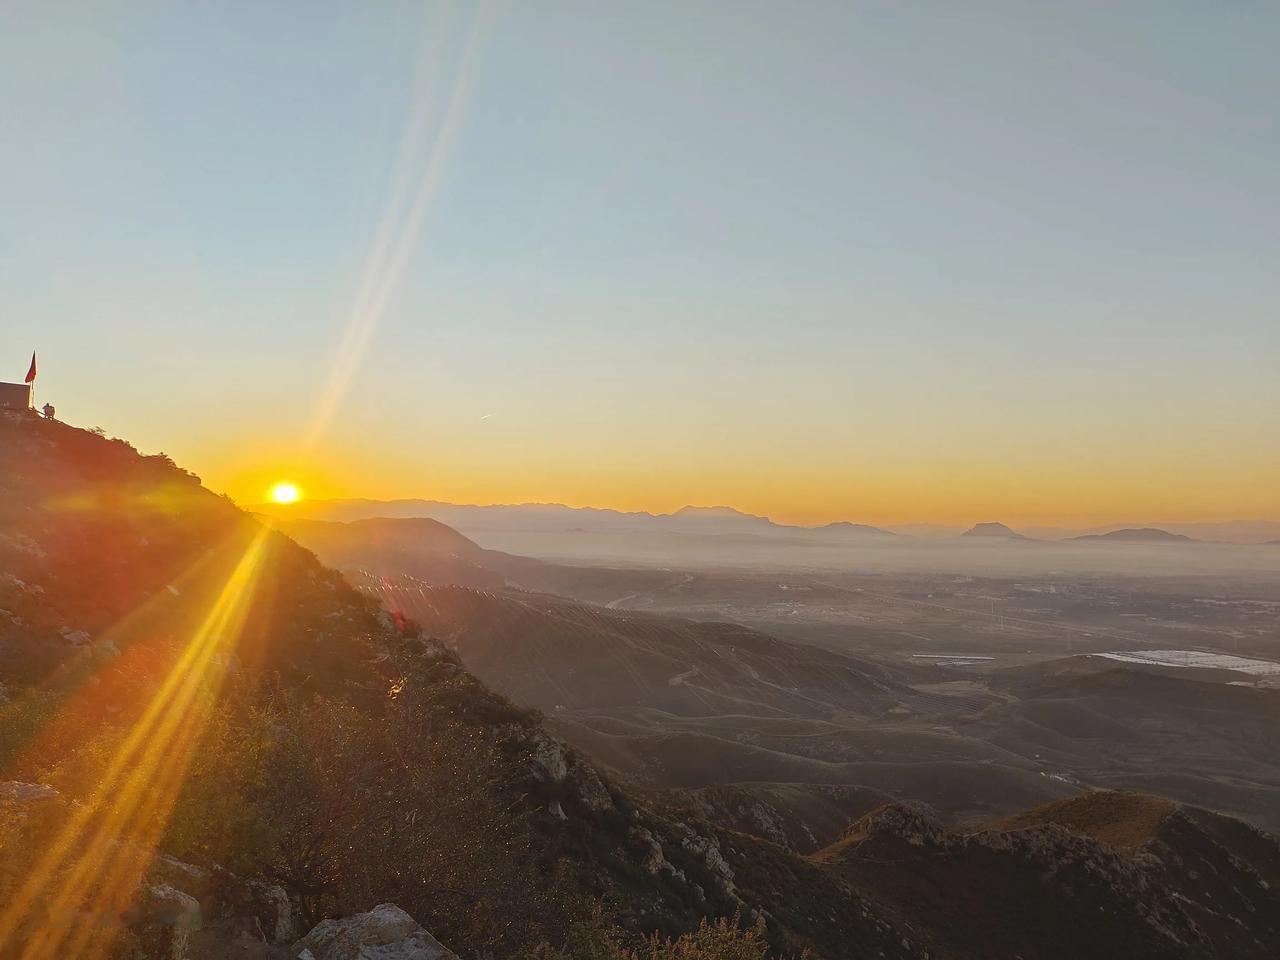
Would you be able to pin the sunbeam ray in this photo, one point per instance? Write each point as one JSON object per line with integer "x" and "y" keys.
{"x": 99, "y": 854}
{"x": 400, "y": 225}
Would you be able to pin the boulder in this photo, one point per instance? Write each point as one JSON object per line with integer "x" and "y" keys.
{"x": 77, "y": 638}
{"x": 266, "y": 903}
{"x": 164, "y": 919}
{"x": 384, "y": 933}
{"x": 204, "y": 886}
{"x": 263, "y": 908}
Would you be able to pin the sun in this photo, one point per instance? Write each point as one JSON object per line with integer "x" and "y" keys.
{"x": 285, "y": 493}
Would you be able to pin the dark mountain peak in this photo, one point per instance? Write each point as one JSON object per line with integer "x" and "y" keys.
{"x": 855, "y": 529}
{"x": 993, "y": 529}
{"x": 714, "y": 513}
{"x": 1139, "y": 535}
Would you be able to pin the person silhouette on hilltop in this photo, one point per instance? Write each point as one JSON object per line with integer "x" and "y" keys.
{"x": 48, "y": 411}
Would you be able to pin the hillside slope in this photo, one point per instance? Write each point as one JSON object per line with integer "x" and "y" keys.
{"x": 195, "y": 684}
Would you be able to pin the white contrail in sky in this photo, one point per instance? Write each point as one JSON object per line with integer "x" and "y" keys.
{"x": 414, "y": 186}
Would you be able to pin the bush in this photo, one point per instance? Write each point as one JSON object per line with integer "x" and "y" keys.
{"x": 723, "y": 939}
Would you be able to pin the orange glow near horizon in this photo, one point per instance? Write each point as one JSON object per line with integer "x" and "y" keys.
{"x": 952, "y": 492}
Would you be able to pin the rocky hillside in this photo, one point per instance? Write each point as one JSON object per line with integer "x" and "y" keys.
{"x": 1103, "y": 875}
{"x": 212, "y": 746}
{"x": 182, "y": 682}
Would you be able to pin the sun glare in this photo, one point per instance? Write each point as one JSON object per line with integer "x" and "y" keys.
{"x": 285, "y": 493}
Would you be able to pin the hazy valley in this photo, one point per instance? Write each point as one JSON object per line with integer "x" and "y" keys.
{"x": 843, "y": 688}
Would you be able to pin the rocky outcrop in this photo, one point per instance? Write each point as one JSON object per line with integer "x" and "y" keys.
{"x": 24, "y": 796}
{"x": 164, "y": 919}
{"x": 267, "y": 905}
{"x": 1180, "y": 892}
{"x": 384, "y": 933}
{"x": 554, "y": 762}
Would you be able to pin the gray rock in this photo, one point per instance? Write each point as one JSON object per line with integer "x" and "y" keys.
{"x": 165, "y": 919}
{"x": 77, "y": 638}
{"x": 194, "y": 881}
{"x": 16, "y": 793}
{"x": 384, "y": 933}
{"x": 267, "y": 903}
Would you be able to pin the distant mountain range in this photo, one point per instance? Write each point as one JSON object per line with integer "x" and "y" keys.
{"x": 558, "y": 518}
{"x": 1234, "y": 531}
{"x": 998, "y": 531}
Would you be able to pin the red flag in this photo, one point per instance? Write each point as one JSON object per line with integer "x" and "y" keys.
{"x": 31, "y": 374}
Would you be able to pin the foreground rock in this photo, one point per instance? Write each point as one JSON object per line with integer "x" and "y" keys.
{"x": 384, "y": 933}
{"x": 164, "y": 919}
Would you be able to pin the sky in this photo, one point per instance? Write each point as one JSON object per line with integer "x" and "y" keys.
{"x": 884, "y": 262}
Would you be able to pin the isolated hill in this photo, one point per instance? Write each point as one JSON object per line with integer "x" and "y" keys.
{"x": 1232, "y": 531}
{"x": 993, "y": 530}
{"x": 1138, "y": 535}
{"x": 1185, "y": 871}
{"x": 715, "y": 519}
{"x": 1119, "y": 819}
{"x": 843, "y": 528}
{"x": 421, "y": 546}
{"x": 208, "y": 741}
{"x": 435, "y": 554}
{"x": 1202, "y": 741}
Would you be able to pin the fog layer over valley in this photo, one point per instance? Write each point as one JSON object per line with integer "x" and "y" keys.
{"x": 799, "y": 697}
{"x": 719, "y": 537}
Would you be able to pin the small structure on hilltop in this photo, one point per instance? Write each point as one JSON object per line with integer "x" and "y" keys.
{"x": 15, "y": 396}
{"x": 20, "y": 396}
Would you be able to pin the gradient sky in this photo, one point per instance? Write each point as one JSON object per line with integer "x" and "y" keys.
{"x": 875, "y": 261}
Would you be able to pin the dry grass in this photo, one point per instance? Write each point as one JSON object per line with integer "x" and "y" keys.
{"x": 1118, "y": 818}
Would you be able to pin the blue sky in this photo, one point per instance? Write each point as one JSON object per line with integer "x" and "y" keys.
{"x": 811, "y": 259}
